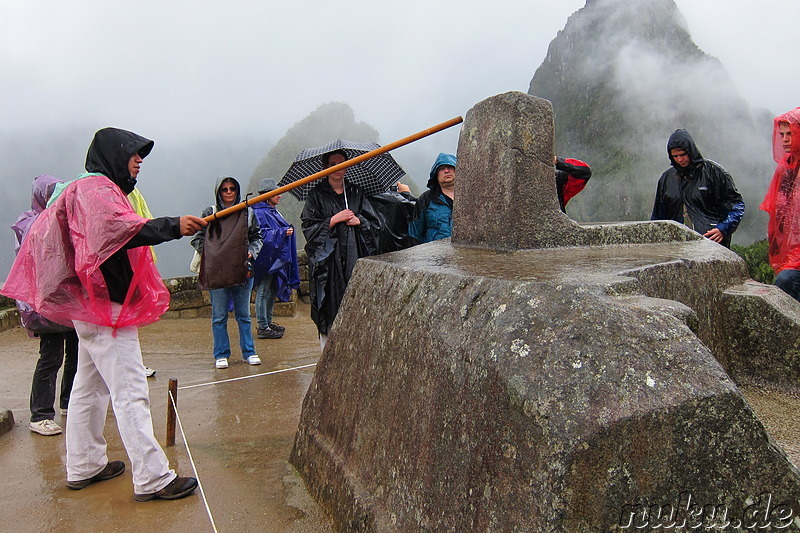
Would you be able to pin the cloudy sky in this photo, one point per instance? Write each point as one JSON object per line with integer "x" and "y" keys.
{"x": 175, "y": 68}
{"x": 250, "y": 70}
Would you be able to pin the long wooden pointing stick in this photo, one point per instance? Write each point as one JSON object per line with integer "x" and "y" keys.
{"x": 378, "y": 151}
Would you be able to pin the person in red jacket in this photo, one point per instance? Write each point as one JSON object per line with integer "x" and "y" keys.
{"x": 782, "y": 202}
{"x": 572, "y": 175}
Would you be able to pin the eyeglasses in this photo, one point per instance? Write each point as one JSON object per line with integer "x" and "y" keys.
{"x": 228, "y": 189}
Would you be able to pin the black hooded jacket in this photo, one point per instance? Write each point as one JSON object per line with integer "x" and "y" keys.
{"x": 109, "y": 154}
{"x": 333, "y": 252}
{"x": 706, "y": 189}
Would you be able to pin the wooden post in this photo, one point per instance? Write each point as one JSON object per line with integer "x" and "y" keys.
{"x": 171, "y": 413}
{"x": 350, "y": 162}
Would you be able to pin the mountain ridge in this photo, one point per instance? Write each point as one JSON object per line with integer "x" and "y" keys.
{"x": 621, "y": 77}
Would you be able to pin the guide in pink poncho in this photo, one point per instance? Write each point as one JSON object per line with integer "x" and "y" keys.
{"x": 86, "y": 263}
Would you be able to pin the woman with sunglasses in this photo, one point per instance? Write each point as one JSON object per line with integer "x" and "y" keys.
{"x": 227, "y": 247}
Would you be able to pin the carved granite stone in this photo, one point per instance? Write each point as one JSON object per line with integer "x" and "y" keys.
{"x": 535, "y": 374}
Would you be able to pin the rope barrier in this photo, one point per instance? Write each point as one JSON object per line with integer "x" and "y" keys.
{"x": 194, "y": 467}
{"x": 246, "y": 377}
{"x": 173, "y": 416}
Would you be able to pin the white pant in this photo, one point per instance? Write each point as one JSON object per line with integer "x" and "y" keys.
{"x": 110, "y": 366}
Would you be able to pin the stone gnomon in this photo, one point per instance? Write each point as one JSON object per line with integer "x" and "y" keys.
{"x": 535, "y": 374}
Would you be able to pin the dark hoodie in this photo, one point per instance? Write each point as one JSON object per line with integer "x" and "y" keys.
{"x": 704, "y": 187}
{"x": 109, "y": 154}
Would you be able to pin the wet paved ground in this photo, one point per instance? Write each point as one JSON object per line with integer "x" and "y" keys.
{"x": 239, "y": 433}
{"x": 779, "y": 411}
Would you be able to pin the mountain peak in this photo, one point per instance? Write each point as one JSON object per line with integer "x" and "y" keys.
{"x": 621, "y": 77}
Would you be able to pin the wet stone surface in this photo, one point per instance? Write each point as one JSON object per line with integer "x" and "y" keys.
{"x": 544, "y": 388}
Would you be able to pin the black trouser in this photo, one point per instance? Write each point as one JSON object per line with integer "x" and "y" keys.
{"x": 54, "y": 348}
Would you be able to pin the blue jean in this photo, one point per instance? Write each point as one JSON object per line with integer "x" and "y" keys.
{"x": 219, "y": 319}
{"x": 789, "y": 282}
{"x": 265, "y": 300}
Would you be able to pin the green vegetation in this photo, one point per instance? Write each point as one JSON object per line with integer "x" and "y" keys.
{"x": 757, "y": 258}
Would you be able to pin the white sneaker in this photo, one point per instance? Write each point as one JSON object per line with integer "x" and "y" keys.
{"x": 45, "y": 427}
{"x": 222, "y": 362}
{"x": 253, "y": 360}
{"x": 149, "y": 372}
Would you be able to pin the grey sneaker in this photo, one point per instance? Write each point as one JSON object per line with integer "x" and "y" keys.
{"x": 45, "y": 427}
{"x": 111, "y": 470}
{"x": 253, "y": 360}
{"x": 149, "y": 372}
{"x": 179, "y": 487}
{"x": 222, "y": 362}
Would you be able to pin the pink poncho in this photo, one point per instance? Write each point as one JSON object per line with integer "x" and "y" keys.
{"x": 57, "y": 269}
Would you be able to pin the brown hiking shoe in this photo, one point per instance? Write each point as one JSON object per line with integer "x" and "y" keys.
{"x": 177, "y": 488}
{"x": 111, "y": 470}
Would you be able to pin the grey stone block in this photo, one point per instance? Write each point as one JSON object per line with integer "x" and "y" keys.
{"x": 9, "y": 319}
{"x": 506, "y": 392}
{"x": 186, "y": 299}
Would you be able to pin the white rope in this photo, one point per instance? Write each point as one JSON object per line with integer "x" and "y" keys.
{"x": 191, "y": 460}
{"x": 246, "y": 377}
{"x": 186, "y": 441}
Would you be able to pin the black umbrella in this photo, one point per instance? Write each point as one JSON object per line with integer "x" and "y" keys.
{"x": 373, "y": 175}
{"x": 288, "y": 188}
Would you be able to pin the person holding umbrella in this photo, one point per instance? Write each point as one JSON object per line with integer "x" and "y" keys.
{"x": 339, "y": 224}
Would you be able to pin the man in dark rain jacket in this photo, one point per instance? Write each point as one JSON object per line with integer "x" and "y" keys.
{"x": 699, "y": 190}
{"x": 86, "y": 262}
